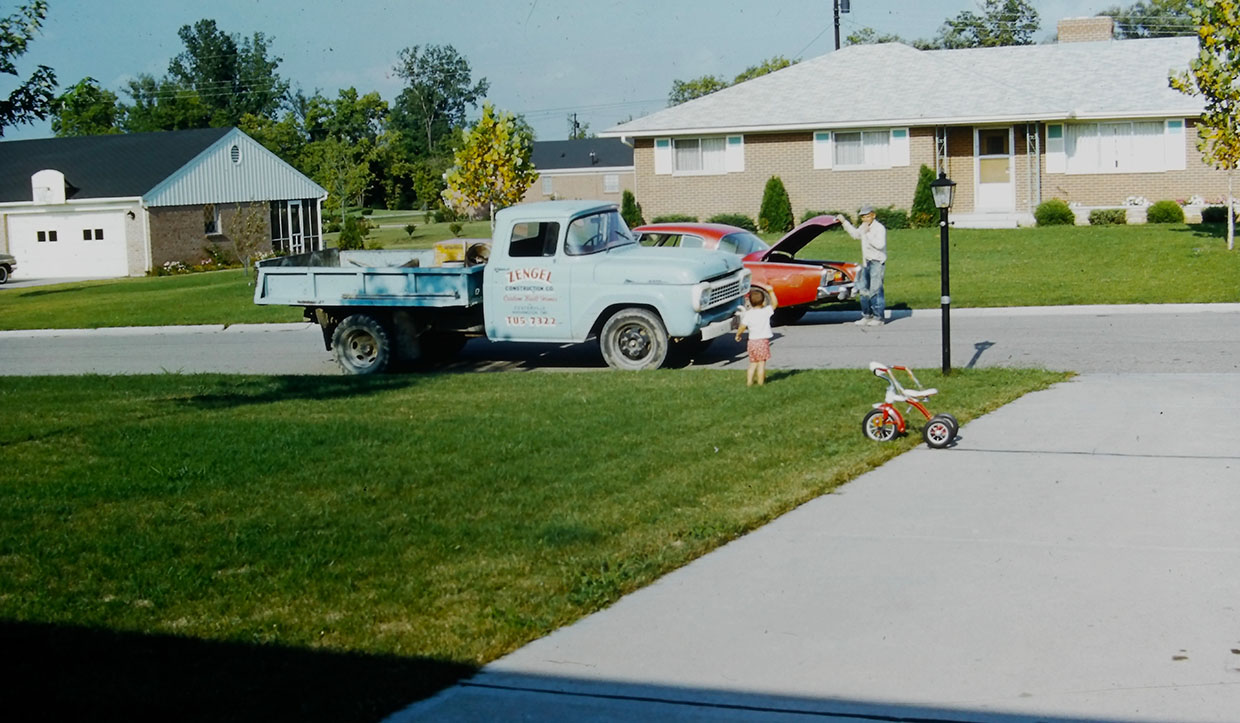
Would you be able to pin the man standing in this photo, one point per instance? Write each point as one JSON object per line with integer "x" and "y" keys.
{"x": 869, "y": 283}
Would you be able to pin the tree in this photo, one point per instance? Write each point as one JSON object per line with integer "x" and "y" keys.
{"x": 923, "y": 213}
{"x": 770, "y": 65}
{"x": 231, "y": 78}
{"x": 86, "y": 110}
{"x": 870, "y": 36}
{"x": 492, "y": 166}
{"x": 252, "y": 235}
{"x": 162, "y": 105}
{"x": 1214, "y": 75}
{"x": 1002, "y": 22}
{"x": 631, "y": 210}
{"x": 33, "y": 98}
{"x": 776, "y": 211}
{"x": 438, "y": 91}
{"x": 1152, "y": 19}
{"x": 687, "y": 90}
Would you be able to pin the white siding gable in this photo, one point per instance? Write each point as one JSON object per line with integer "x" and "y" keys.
{"x": 235, "y": 169}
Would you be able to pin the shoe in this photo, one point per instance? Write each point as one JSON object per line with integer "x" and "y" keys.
{"x": 874, "y": 321}
{"x": 863, "y": 321}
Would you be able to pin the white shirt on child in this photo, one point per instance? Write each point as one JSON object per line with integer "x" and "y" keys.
{"x": 758, "y": 321}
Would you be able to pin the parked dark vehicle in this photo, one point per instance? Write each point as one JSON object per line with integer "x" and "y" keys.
{"x": 7, "y": 264}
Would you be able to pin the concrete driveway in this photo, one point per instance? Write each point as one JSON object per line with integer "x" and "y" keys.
{"x": 1075, "y": 557}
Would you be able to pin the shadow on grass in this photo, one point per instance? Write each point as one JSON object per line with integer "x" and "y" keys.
{"x": 266, "y": 390}
{"x": 1205, "y": 230}
{"x": 72, "y": 673}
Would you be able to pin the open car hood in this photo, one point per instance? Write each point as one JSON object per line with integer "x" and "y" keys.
{"x": 799, "y": 237}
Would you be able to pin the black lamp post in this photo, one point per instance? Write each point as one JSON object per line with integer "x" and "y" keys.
{"x": 944, "y": 189}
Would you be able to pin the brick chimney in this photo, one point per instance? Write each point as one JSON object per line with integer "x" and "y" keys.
{"x": 1085, "y": 30}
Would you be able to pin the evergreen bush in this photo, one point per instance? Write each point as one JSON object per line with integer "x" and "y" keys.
{"x": 1214, "y": 214}
{"x": 924, "y": 213}
{"x": 1054, "y": 212}
{"x": 675, "y": 218}
{"x": 1164, "y": 212}
{"x": 352, "y": 234}
{"x": 735, "y": 219}
{"x": 892, "y": 217}
{"x": 631, "y": 210}
{"x": 1108, "y": 217}
{"x": 776, "y": 212}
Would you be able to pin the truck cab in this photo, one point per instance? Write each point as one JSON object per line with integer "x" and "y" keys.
{"x": 566, "y": 271}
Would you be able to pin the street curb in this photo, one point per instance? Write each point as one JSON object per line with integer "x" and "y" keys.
{"x": 1010, "y": 311}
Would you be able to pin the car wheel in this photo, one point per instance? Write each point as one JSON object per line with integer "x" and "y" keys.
{"x": 4, "y": 274}
{"x": 879, "y": 426}
{"x": 361, "y": 345}
{"x": 634, "y": 339}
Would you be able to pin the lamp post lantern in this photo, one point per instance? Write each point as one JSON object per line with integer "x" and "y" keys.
{"x": 944, "y": 189}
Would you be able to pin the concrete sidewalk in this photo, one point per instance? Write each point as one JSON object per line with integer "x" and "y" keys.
{"x": 1076, "y": 556}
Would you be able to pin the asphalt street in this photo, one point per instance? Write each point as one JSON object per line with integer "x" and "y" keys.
{"x": 1156, "y": 338}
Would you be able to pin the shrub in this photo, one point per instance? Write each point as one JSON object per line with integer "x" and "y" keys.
{"x": 924, "y": 213}
{"x": 352, "y": 234}
{"x": 631, "y": 210}
{"x": 674, "y": 218}
{"x": 1108, "y": 217}
{"x": 776, "y": 212}
{"x": 810, "y": 213}
{"x": 367, "y": 211}
{"x": 410, "y": 228}
{"x": 1214, "y": 214}
{"x": 1164, "y": 212}
{"x": 1054, "y": 212}
{"x": 444, "y": 214}
{"x": 892, "y": 217}
{"x": 456, "y": 227}
{"x": 735, "y": 219}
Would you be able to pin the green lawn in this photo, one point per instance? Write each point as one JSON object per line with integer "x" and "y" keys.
{"x": 1054, "y": 266}
{"x": 1012, "y": 267}
{"x": 273, "y": 548}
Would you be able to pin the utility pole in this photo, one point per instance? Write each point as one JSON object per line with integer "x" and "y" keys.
{"x": 841, "y": 6}
{"x": 574, "y": 126}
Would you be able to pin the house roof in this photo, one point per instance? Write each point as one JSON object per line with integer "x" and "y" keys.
{"x": 163, "y": 168}
{"x": 582, "y": 154}
{"x": 893, "y": 84}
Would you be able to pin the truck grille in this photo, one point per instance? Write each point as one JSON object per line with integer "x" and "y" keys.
{"x": 725, "y": 290}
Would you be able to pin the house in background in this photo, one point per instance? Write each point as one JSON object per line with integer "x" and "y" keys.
{"x": 1088, "y": 119}
{"x": 590, "y": 168}
{"x": 120, "y": 205}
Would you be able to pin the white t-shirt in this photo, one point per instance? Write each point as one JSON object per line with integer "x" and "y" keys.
{"x": 758, "y": 321}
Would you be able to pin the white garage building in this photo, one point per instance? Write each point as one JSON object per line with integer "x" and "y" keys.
{"x": 120, "y": 205}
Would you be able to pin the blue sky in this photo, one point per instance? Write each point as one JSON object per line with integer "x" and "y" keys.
{"x": 605, "y": 60}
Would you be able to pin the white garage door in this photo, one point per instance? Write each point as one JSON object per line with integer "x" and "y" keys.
{"x": 73, "y": 244}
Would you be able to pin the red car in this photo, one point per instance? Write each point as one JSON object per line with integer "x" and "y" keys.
{"x": 796, "y": 283}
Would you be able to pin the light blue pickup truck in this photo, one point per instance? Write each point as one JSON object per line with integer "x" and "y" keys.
{"x": 556, "y": 272}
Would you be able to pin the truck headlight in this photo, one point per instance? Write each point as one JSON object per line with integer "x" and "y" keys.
{"x": 701, "y": 296}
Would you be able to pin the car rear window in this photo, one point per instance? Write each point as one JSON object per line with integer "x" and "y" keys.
{"x": 742, "y": 244}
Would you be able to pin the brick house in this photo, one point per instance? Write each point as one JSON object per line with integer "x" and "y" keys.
{"x": 590, "y": 168}
{"x": 120, "y": 205}
{"x": 1088, "y": 119}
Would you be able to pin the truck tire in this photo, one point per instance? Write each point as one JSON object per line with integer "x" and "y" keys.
{"x": 634, "y": 339}
{"x": 361, "y": 345}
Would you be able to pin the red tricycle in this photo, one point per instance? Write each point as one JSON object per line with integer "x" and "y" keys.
{"x": 884, "y": 421}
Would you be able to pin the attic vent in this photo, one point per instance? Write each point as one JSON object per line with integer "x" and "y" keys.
{"x": 235, "y": 154}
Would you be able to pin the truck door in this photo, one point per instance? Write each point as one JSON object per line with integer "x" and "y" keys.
{"x": 527, "y": 288}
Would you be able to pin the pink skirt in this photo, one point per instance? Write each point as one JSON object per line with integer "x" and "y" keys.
{"x": 759, "y": 350}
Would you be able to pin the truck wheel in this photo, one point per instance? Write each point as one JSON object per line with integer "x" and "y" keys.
{"x": 634, "y": 339}
{"x": 361, "y": 345}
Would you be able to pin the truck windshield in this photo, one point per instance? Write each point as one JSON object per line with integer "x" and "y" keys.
{"x": 597, "y": 232}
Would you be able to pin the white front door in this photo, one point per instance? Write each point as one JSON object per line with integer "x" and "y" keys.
{"x": 992, "y": 151}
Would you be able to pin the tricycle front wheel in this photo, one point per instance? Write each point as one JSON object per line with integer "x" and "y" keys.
{"x": 880, "y": 426}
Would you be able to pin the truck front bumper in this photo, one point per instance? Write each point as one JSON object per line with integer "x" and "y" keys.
{"x": 717, "y": 328}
